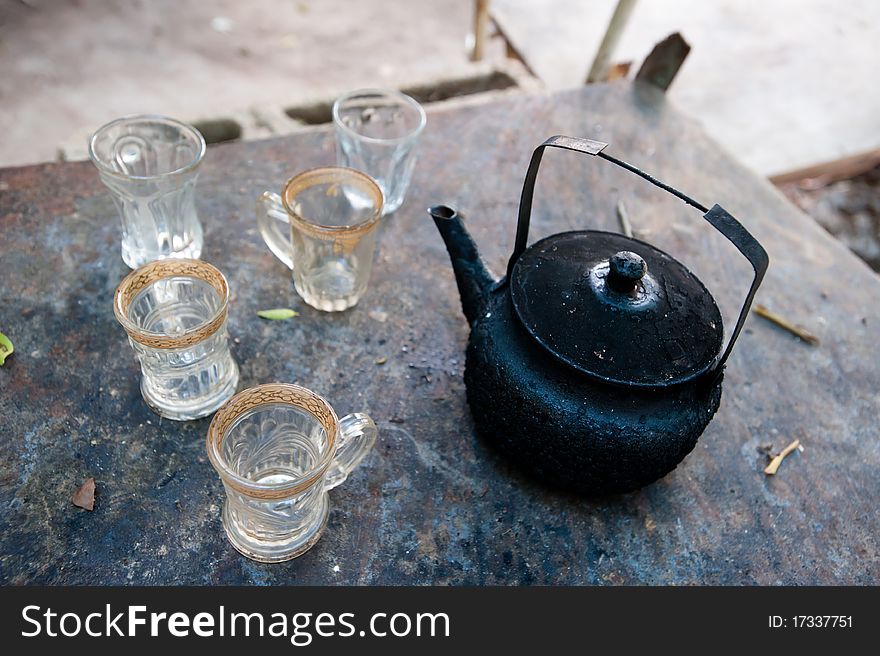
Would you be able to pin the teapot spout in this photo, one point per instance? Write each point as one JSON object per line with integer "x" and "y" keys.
{"x": 473, "y": 278}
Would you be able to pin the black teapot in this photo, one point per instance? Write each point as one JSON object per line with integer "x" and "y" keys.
{"x": 596, "y": 362}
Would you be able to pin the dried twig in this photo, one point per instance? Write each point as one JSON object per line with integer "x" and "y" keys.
{"x": 771, "y": 469}
{"x": 797, "y": 331}
{"x": 623, "y": 217}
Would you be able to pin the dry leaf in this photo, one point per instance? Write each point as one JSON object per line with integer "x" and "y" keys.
{"x": 84, "y": 497}
{"x": 618, "y": 71}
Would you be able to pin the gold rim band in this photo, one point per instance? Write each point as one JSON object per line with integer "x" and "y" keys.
{"x": 153, "y": 272}
{"x": 248, "y": 399}
{"x": 335, "y": 176}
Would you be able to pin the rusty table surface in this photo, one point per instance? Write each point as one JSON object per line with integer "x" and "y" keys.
{"x": 432, "y": 503}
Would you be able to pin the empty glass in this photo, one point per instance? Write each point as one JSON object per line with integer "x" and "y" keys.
{"x": 323, "y": 226}
{"x": 174, "y": 312}
{"x": 278, "y": 449}
{"x": 150, "y": 164}
{"x": 377, "y": 132}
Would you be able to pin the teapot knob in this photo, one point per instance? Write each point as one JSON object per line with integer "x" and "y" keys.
{"x": 625, "y": 269}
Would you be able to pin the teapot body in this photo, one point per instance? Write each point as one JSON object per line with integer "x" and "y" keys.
{"x": 597, "y": 361}
{"x": 569, "y": 429}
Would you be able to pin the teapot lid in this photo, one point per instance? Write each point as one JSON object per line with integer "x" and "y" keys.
{"x": 616, "y": 308}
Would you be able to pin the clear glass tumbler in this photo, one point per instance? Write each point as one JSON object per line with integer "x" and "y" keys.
{"x": 323, "y": 226}
{"x": 279, "y": 449}
{"x": 376, "y": 132}
{"x": 174, "y": 312}
{"x": 150, "y": 164}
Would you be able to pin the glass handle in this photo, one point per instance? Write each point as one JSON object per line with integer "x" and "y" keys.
{"x": 357, "y": 435}
{"x": 275, "y": 226}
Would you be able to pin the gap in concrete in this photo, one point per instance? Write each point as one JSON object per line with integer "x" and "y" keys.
{"x": 320, "y": 113}
{"x": 219, "y": 130}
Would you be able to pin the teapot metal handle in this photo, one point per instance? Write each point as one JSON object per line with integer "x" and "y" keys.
{"x": 717, "y": 216}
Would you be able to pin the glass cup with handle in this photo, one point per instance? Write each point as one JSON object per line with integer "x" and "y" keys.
{"x": 174, "y": 312}
{"x": 376, "y": 132}
{"x": 279, "y": 449}
{"x": 151, "y": 164}
{"x": 323, "y": 227}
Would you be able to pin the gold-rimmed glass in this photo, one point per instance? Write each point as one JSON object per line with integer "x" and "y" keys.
{"x": 279, "y": 448}
{"x": 323, "y": 227}
{"x": 174, "y": 312}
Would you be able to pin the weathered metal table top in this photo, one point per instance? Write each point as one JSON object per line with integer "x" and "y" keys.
{"x": 432, "y": 503}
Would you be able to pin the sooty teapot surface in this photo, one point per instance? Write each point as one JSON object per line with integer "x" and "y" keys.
{"x": 596, "y": 362}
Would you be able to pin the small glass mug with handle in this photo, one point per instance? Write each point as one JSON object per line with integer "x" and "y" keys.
{"x": 174, "y": 312}
{"x": 376, "y": 132}
{"x": 151, "y": 164}
{"x": 279, "y": 448}
{"x": 323, "y": 227}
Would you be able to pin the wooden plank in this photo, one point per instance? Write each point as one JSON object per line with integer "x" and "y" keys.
{"x": 841, "y": 169}
{"x": 662, "y": 65}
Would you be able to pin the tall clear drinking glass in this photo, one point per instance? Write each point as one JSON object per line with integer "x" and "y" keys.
{"x": 174, "y": 312}
{"x": 150, "y": 164}
{"x": 376, "y": 132}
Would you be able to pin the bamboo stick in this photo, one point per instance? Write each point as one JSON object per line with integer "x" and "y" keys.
{"x": 609, "y": 42}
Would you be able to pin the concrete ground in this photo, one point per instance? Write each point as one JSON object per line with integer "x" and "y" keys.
{"x": 784, "y": 84}
{"x": 68, "y": 66}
